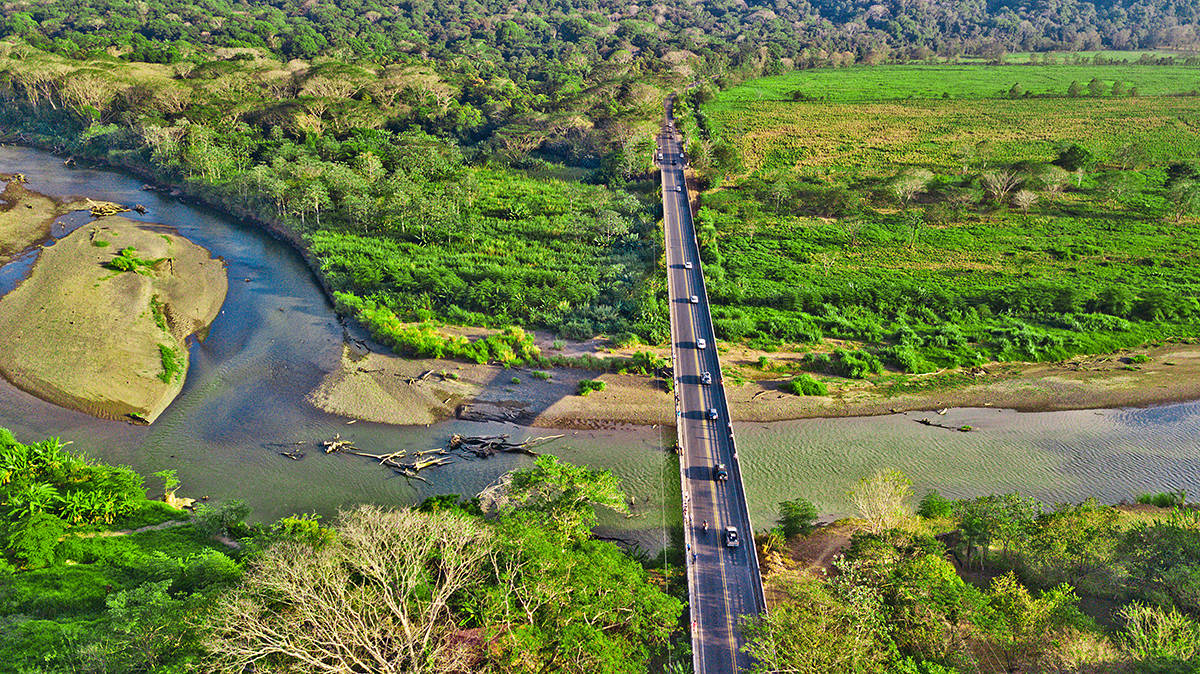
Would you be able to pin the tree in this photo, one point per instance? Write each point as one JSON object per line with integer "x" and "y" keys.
{"x": 381, "y": 596}
{"x": 910, "y": 184}
{"x": 34, "y": 537}
{"x": 1016, "y": 91}
{"x": 1075, "y": 90}
{"x": 170, "y": 484}
{"x": 797, "y": 517}
{"x": 1183, "y": 197}
{"x": 566, "y": 494}
{"x": 1095, "y": 87}
{"x": 1024, "y": 200}
{"x": 882, "y": 500}
{"x": 999, "y": 183}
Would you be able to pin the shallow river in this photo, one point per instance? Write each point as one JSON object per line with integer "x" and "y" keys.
{"x": 277, "y": 336}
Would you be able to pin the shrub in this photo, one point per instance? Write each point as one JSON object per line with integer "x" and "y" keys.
{"x": 1154, "y": 634}
{"x": 805, "y": 385}
{"x": 934, "y": 505}
{"x": 797, "y": 517}
{"x": 586, "y": 386}
{"x": 1167, "y": 499}
{"x": 540, "y": 374}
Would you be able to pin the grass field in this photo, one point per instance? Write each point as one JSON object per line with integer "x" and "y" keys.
{"x": 893, "y": 82}
{"x": 882, "y": 228}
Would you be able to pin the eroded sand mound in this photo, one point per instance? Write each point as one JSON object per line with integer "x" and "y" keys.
{"x": 82, "y": 333}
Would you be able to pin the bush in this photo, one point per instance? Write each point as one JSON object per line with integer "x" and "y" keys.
{"x": 34, "y": 537}
{"x": 797, "y": 517}
{"x": 1154, "y": 635}
{"x": 805, "y": 385}
{"x": 933, "y": 505}
{"x": 586, "y": 386}
{"x": 1167, "y": 499}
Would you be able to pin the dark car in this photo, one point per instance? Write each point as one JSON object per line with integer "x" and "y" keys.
{"x": 731, "y": 537}
{"x": 720, "y": 472}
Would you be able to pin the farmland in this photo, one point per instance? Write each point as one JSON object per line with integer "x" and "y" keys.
{"x": 933, "y": 232}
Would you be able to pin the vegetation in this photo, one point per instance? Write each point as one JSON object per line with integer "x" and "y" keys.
{"x": 901, "y": 600}
{"x": 1059, "y": 228}
{"x": 586, "y": 386}
{"x": 173, "y": 364}
{"x": 805, "y": 385}
{"x": 97, "y": 578}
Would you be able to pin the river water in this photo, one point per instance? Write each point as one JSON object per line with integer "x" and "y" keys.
{"x": 277, "y": 336}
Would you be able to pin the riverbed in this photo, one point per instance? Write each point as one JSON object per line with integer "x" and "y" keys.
{"x": 243, "y": 404}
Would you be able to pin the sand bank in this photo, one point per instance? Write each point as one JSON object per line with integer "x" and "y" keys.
{"x": 386, "y": 388}
{"x": 25, "y": 217}
{"x": 111, "y": 343}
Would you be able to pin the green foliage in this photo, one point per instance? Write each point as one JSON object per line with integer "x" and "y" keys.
{"x": 805, "y": 385}
{"x": 565, "y": 494}
{"x": 511, "y": 346}
{"x": 173, "y": 364}
{"x": 156, "y": 312}
{"x": 1162, "y": 638}
{"x": 128, "y": 260}
{"x": 33, "y": 538}
{"x": 1166, "y": 499}
{"x": 226, "y": 519}
{"x": 933, "y": 505}
{"x": 586, "y": 386}
{"x": 797, "y": 517}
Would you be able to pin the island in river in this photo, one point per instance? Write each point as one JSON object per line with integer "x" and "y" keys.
{"x": 101, "y": 323}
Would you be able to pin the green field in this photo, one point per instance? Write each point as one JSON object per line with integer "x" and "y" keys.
{"x": 892, "y": 82}
{"x": 940, "y": 233}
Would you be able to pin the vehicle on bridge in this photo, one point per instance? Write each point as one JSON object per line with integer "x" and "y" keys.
{"x": 712, "y": 413}
{"x": 720, "y": 472}
{"x": 694, "y": 300}
{"x": 706, "y": 378}
{"x": 731, "y": 537}
{"x": 688, "y": 264}
{"x": 700, "y": 343}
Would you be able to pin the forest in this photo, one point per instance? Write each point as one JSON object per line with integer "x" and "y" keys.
{"x": 95, "y": 577}
{"x": 476, "y": 164}
{"x": 1000, "y": 583}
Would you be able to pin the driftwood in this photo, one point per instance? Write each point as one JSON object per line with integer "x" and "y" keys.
{"x": 100, "y": 209}
{"x": 410, "y": 464}
{"x": 484, "y": 446}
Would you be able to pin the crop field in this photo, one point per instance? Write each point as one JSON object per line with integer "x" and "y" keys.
{"x": 926, "y": 234}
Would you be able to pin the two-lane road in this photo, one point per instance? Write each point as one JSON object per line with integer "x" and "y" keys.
{"x": 723, "y": 582}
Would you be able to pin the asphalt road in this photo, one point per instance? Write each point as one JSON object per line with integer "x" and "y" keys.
{"x": 723, "y": 582}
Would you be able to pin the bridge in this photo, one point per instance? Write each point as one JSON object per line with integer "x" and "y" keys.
{"x": 723, "y": 580}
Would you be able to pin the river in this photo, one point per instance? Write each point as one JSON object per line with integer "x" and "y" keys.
{"x": 277, "y": 336}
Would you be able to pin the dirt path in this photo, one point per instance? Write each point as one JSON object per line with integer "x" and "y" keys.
{"x": 129, "y": 532}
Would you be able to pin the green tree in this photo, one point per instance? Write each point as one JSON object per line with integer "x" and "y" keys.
{"x": 564, "y": 493}
{"x": 1075, "y": 90}
{"x": 797, "y": 517}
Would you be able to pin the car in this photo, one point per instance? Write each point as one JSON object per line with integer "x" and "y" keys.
{"x": 694, "y": 300}
{"x": 731, "y": 537}
{"x": 706, "y": 378}
{"x": 720, "y": 472}
{"x": 660, "y": 156}
{"x": 712, "y": 413}
{"x": 687, "y": 265}
{"x": 700, "y": 343}
{"x": 678, "y": 188}
{"x": 680, "y": 155}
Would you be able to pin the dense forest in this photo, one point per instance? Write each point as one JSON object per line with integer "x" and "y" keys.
{"x": 94, "y": 577}
{"x": 1001, "y": 583}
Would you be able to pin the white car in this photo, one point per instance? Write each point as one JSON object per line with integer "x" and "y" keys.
{"x": 700, "y": 343}
{"x": 712, "y": 413}
{"x": 687, "y": 265}
{"x": 694, "y": 300}
{"x": 678, "y": 188}
{"x": 731, "y": 537}
{"x": 706, "y": 378}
